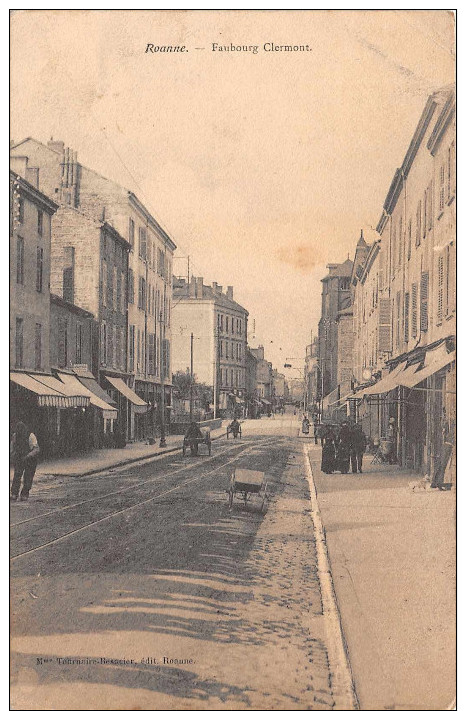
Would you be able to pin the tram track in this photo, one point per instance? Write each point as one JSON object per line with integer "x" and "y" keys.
{"x": 124, "y": 490}
{"x": 247, "y": 450}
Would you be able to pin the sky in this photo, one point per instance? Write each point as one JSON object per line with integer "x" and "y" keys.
{"x": 263, "y": 167}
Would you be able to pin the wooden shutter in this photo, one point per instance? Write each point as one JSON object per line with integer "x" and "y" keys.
{"x": 451, "y": 279}
{"x": 440, "y": 279}
{"x": 384, "y": 326}
{"x": 406, "y": 317}
{"x": 414, "y": 310}
{"x": 424, "y": 301}
{"x": 398, "y": 319}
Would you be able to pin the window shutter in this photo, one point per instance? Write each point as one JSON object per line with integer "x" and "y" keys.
{"x": 424, "y": 301}
{"x": 442, "y": 189}
{"x": 406, "y": 317}
{"x": 440, "y": 290}
{"x": 414, "y": 310}
{"x": 451, "y": 279}
{"x": 398, "y": 319}
{"x": 384, "y": 327}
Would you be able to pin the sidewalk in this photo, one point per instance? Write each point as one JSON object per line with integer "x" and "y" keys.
{"x": 99, "y": 460}
{"x": 392, "y": 555}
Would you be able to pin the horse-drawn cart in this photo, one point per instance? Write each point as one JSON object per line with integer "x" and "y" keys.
{"x": 194, "y": 442}
{"x": 246, "y": 483}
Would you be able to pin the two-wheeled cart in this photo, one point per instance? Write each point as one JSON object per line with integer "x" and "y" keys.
{"x": 246, "y": 484}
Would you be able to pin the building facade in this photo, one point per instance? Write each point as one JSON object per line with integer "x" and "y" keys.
{"x": 147, "y": 347}
{"x": 219, "y": 327}
{"x": 413, "y": 308}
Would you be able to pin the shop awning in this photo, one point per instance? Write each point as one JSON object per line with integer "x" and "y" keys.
{"x": 50, "y": 391}
{"x": 73, "y": 383}
{"x": 91, "y": 384}
{"x": 386, "y": 384}
{"x": 434, "y": 360}
{"x": 139, "y": 406}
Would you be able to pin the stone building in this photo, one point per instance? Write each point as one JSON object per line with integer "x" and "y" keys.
{"x": 336, "y": 296}
{"x": 416, "y": 299}
{"x": 148, "y": 341}
{"x": 219, "y": 327}
{"x": 36, "y": 396}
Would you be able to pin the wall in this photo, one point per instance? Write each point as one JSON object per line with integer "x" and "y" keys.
{"x": 25, "y": 301}
{"x": 197, "y": 317}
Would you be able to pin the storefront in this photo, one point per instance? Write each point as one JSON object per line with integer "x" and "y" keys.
{"x": 56, "y": 414}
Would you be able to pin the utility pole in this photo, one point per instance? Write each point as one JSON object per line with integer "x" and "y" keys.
{"x": 191, "y": 383}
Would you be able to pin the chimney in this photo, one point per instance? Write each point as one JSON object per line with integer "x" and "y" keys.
{"x": 230, "y": 292}
{"x": 214, "y": 287}
{"x": 58, "y": 146}
{"x": 199, "y": 287}
{"x": 192, "y": 288}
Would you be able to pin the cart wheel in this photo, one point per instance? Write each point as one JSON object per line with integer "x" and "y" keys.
{"x": 230, "y": 498}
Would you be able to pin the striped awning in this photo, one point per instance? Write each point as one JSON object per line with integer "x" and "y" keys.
{"x": 50, "y": 391}
{"x": 139, "y": 406}
{"x": 75, "y": 385}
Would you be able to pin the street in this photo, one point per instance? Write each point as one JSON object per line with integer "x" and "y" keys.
{"x": 139, "y": 588}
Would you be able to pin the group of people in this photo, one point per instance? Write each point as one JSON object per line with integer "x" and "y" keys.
{"x": 342, "y": 445}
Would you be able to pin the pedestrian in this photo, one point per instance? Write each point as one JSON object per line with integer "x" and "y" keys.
{"x": 24, "y": 450}
{"x": 392, "y": 435}
{"x": 328, "y": 453}
{"x": 358, "y": 447}
{"x": 316, "y": 432}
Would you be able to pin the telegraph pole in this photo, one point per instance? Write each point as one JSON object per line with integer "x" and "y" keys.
{"x": 191, "y": 383}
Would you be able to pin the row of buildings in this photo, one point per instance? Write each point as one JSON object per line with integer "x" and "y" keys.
{"x": 98, "y": 321}
{"x": 386, "y": 348}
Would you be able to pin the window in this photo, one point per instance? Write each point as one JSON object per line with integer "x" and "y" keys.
{"x": 103, "y": 343}
{"x": 19, "y": 260}
{"x": 165, "y": 358}
{"x": 440, "y": 277}
{"x": 221, "y": 349}
{"x": 20, "y": 210}
{"x": 151, "y": 354}
{"x": 226, "y": 323}
{"x": 414, "y": 310}
{"x": 142, "y": 293}
{"x": 122, "y": 349}
{"x": 38, "y": 347}
{"x": 119, "y": 286}
{"x": 142, "y": 243}
{"x": 115, "y": 285}
{"x": 406, "y": 317}
{"x": 40, "y": 222}
{"x": 104, "y": 282}
{"x": 221, "y": 322}
{"x": 110, "y": 288}
{"x": 131, "y": 233}
{"x": 418, "y": 223}
{"x": 68, "y": 274}
{"x": 131, "y": 347}
{"x": 130, "y": 286}
{"x": 39, "y": 268}
{"x": 79, "y": 343}
{"x": 424, "y": 301}
{"x": 398, "y": 319}
{"x": 400, "y": 242}
{"x": 138, "y": 365}
{"x": 62, "y": 342}
{"x": 450, "y": 287}
{"x": 430, "y": 207}
{"x": 117, "y": 345}
{"x": 409, "y": 238}
{"x": 19, "y": 343}
{"x": 424, "y": 231}
{"x": 442, "y": 189}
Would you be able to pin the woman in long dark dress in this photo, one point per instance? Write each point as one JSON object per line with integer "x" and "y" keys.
{"x": 328, "y": 452}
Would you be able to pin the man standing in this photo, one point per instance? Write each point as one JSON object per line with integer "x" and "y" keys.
{"x": 24, "y": 451}
{"x": 358, "y": 447}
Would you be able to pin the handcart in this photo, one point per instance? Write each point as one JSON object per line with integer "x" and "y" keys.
{"x": 246, "y": 483}
{"x": 194, "y": 442}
